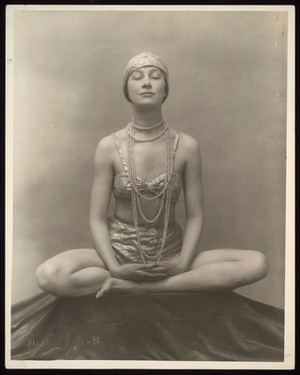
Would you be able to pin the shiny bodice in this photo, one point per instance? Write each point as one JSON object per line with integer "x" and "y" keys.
{"x": 122, "y": 185}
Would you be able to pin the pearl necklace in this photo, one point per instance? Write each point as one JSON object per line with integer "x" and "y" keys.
{"x": 132, "y": 167}
{"x": 144, "y": 255}
{"x": 146, "y": 127}
{"x": 133, "y": 180}
{"x": 130, "y": 133}
{"x": 165, "y": 193}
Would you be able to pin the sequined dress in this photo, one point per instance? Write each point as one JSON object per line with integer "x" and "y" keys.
{"x": 123, "y": 234}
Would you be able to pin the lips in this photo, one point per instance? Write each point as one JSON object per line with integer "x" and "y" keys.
{"x": 147, "y": 93}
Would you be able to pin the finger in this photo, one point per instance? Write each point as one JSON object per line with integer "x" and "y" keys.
{"x": 160, "y": 263}
{"x": 147, "y": 266}
{"x": 151, "y": 271}
{"x": 158, "y": 269}
{"x": 152, "y": 275}
{"x": 136, "y": 266}
{"x": 163, "y": 266}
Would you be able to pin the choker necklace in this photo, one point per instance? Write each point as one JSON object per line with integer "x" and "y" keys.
{"x": 130, "y": 133}
{"x": 146, "y": 127}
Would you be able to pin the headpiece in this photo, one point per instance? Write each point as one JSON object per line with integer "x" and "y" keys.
{"x": 141, "y": 60}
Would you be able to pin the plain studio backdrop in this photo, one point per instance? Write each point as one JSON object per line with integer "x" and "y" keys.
{"x": 227, "y": 89}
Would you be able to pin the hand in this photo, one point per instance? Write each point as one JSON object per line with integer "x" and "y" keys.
{"x": 172, "y": 269}
{"x": 139, "y": 272}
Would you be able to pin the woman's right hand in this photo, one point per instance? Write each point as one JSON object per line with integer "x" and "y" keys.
{"x": 139, "y": 272}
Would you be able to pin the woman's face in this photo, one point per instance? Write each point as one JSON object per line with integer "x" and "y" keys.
{"x": 146, "y": 86}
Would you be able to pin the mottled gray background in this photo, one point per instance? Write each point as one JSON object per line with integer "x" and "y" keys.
{"x": 227, "y": 88}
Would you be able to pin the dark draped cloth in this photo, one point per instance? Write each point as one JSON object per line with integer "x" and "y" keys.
{"x": 202, "y": 326}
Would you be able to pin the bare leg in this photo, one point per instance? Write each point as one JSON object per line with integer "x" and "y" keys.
{"x": 72, "y": 273}
{"x": 214, "y": 269}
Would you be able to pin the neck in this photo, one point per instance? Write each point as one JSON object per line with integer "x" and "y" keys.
{"x": 146, "y": 118}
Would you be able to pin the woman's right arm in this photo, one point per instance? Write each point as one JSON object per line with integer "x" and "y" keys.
{"x": 100, "y": 201}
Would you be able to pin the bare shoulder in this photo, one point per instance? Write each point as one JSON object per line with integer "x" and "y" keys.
{"x": 105, "y": 149}
{"x": 188, "y": 144}
{"x": 188, "y": 141}
{"x": 105, "y": 144}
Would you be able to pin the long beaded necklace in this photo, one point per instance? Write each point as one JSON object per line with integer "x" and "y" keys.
{"x": 165, "y": 192}
{"x": 132, "y": 167}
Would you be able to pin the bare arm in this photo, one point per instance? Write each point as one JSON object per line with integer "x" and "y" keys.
{"x": 100, "y": 201}
{"x": 193, "y": 196}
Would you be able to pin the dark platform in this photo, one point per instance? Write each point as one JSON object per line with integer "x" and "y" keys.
{"x": 207, "y": 326}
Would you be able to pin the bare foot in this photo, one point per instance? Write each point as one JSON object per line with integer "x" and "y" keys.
{"x": 105, "y": 288}
{"x": 112, "y": 285}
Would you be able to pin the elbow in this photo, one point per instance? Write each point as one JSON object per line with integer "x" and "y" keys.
{"x": 196, "y": 219}
{"x": 95, "y": 222}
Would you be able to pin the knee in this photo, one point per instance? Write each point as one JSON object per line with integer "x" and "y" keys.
{"x": 47, "y": 276}
{"x": 259, "y": 263}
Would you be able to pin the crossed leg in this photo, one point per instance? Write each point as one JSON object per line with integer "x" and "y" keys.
{"x": 213, "y": 269}
{"x": 81, "y": 272}
{"x": 73, "y": 273}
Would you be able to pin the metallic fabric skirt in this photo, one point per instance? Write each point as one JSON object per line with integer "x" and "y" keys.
{"x": 124, "y": 240}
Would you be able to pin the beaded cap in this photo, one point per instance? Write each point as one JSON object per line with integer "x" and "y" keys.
{"x": 141, "y": 60}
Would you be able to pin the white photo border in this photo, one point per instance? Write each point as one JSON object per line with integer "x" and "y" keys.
{"x": 289, "y": 356}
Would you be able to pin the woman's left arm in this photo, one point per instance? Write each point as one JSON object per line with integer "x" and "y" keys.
{"x": 193, "y": 197}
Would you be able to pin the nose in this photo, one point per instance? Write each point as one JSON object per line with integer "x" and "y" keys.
{"x": 146, "y": 81}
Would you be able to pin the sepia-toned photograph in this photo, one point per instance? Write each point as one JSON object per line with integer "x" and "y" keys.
{"x": 150, "y": 187}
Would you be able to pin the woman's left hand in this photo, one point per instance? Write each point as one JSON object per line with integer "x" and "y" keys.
{"x": 169, "y": 268}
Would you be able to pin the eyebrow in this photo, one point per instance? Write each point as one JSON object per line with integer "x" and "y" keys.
{"x": 154, "y": 69}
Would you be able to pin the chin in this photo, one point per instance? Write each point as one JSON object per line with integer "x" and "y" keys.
{"x": 147, "y": 103}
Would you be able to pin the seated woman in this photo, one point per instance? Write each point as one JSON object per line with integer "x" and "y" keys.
{"x": 141, "y": 248}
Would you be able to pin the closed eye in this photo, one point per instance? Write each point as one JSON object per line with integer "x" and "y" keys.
{"x": 136, "y": 76}
{"x": 156, "y": 74}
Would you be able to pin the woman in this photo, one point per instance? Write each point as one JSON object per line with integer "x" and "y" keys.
{"x": 141, "y": 249}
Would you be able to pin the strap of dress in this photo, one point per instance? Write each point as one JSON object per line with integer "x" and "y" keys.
{"x": 115, "y": 138}
{"x": 177, "y": 136}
